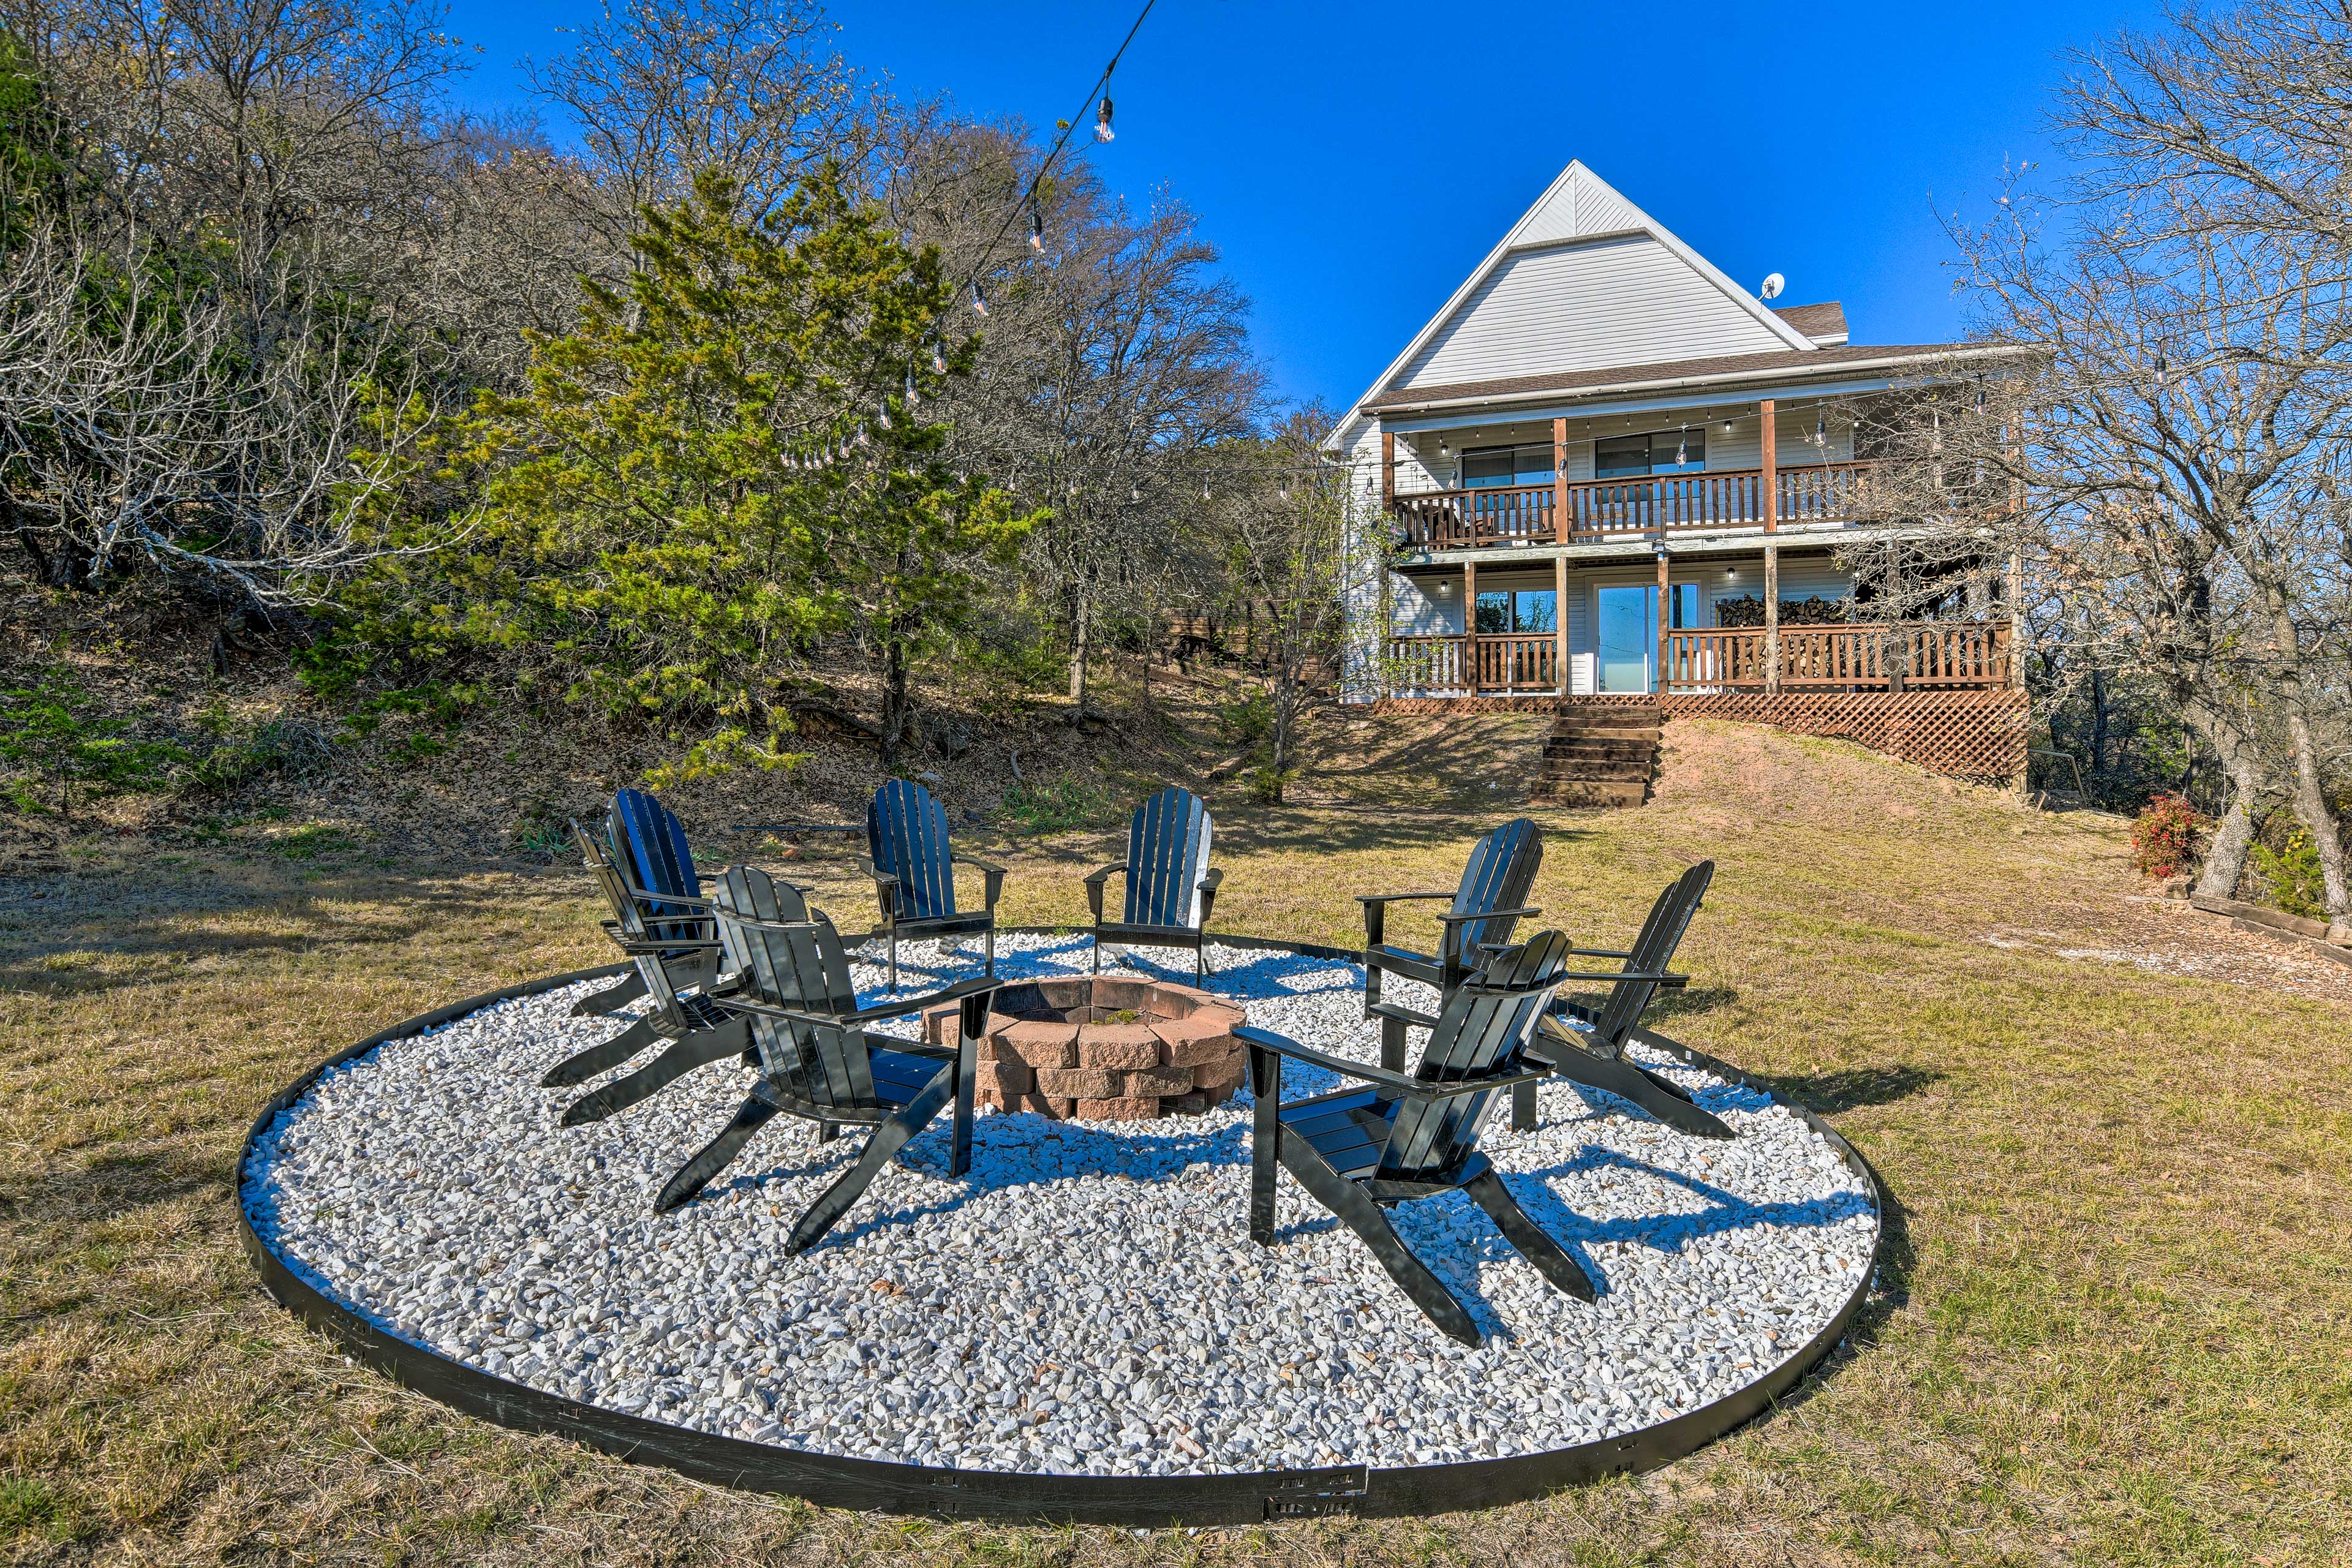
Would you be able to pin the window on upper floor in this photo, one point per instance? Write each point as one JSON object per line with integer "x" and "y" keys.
{"x": 1484, "y": 466}
{"x": 1659, "y": 452}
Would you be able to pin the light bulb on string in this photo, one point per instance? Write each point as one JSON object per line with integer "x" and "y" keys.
{"x": 1204, "y": 489}
{"x": 884, "y": 417}
{"x": 2161, "y": 375}
{"x": 979, "y": 301}
{"x": 1682, "y": 449}
{"x": 1282, "y": 490}
{"x": 1820, "y": 431}
{"x": 912, "y": 397}
{"x": 1135, "y": 492}
{"x": 1103, "y": 132}
{"x": 938, "y": 360}
{"x": 1036, "y": 229}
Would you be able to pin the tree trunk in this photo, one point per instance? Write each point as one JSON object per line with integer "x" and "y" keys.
{"x": 2098, "y": 721}
{"x": 2251, "y": 799}
{"x": 894, "y": 698}
{"x": 2311, "y": 806}
{"x": 1079, "y": 652}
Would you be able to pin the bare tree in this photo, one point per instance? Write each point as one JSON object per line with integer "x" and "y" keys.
{"x": 664, "y": 90}
{"x": 157, "y": 443}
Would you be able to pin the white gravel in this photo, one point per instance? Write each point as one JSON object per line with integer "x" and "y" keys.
{"x": 1088, "y": 1298}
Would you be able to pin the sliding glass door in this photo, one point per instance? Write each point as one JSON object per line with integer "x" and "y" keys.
{"x": 1629, "y": 636}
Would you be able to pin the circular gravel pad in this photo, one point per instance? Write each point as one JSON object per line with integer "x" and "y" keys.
{"x": 1087, "y": 1300}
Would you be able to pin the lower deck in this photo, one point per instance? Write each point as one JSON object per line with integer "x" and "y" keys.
{"x": 1548, "y": 629}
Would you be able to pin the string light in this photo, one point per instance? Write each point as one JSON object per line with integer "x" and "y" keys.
{"x": 912, "y": 397}
{"x": 938, "y": 360}
{"x": 1036, "y": 229}
{"x": 1682, "y": 449}
{"x": 2160, "y": 374}
{"x": 1204, "y": 489}
{"x": 1103, "y": 132}
{"x": 1135, "y": 492}
{"x": 979, "y": 300}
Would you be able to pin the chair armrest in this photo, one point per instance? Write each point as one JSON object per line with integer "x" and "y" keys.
{"x": 1673, "y": 981}
{"x": 1454, "y": 919}
{"x": 634, "y": 949}
{"x": 1210, "y": 883}
{"x": 1421, "y": 1088}
{"x": 1599, "y": 952}
{"x": 1095, "y": 880}
{"x": 690, "y": 901}
{"x": 886, "y": 887}
{"x": 912, "y": 1005}
{"x": 994, "y": 875}
{"x": 1397, "y": 898}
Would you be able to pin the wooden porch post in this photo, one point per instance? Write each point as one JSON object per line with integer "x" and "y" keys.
{"x": 2016, "y": 590}
{"x": 1666, "y": 617}
{"x": 1470, "y": 626}
{"x": 1560, "y": 528}
{"x": 1769, "y": 462}
{"x": 1560, "y": 620}
{"x": 1388, "y": 469}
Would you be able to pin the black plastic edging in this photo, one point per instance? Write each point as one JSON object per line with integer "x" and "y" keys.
{"x": 837, "y": 1482}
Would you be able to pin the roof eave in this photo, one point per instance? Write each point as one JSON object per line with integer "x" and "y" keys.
{"x": 1672, "y": 384}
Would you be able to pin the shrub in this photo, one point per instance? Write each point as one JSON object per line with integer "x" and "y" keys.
{"x": 2293, "y": 872}
{"x": 49, "y": 735}
{"x": 280, "y": 748}
{"x": 2164, "y": 838}
{"x": 1062, "y": 805}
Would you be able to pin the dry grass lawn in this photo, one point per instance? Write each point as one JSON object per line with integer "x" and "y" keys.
{"x": 2115, "y": 1321}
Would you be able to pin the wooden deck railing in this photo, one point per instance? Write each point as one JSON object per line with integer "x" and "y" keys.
{"x": 1606, "y": 509}
{"x": 1512, "y": 662}
{"x": 1940, "y": 654}
{"x": 1921, "y": 654}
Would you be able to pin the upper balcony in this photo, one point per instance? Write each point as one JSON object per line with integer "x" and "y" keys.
{"x": 1584, "y": 511}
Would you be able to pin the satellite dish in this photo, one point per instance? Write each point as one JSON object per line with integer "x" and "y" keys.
{"x": 1772, "y": 286}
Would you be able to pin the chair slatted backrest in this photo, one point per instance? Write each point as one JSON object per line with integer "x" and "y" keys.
{"x": 907, "y": 836}
{"x": 1501, "y": 873}
{"x": 791, "y": 957}
{"x": 1661, "y": 933}
{"x": 1167, "y": 856}
{"x": 649, "y": 840}
{"x": 631, "y": 919}
{"x": 1477, "y": 1033}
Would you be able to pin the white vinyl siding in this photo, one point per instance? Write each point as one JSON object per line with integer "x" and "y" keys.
{"x": 1586, "y": 307}
{"x": 1579, "y": 204}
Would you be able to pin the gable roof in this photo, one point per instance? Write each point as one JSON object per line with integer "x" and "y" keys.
{"x": 1824, "y": 324}
{"x": 1579, "y": 208}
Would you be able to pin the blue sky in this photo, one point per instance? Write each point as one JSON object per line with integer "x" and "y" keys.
{"x": 1354, "y": 161}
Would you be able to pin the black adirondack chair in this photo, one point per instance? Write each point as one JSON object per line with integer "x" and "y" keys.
{"x": 816, "y": 1059}
{"x": 1584, "y": 1040}
{"x": 1487, "y": 909}
{"x": 697, "y": 1030}
{"x": 913, "y": 870}
{"x": 645, "y": 839}
{"x": 1169, "y": 887}
{"x": 1414, "y": 1136}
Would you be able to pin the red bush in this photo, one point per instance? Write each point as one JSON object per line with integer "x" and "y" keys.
{"x": 2164, "y": 838}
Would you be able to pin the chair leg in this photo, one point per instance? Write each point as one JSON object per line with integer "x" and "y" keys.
{"x": 989, "y": 947}
{"x": 699, "y": 1048}
{"x": 888, "y": 1138}
{"x": 1363, "y": 1216}
{"x": 619, "y": 994}
{"x": 581, "y": 1066}
{"x": 1393, "y": 1043}
{"x": 717, "y": 1154}
{"x": 826, "y": 1131}
{"x": 1095, "y": 955}
{"x": 894, "y": 959}
{"x": 1523, "y": 1108}
{"x": 1486, "y": 1190}
{"x": 1265, "y": 1142}
{"x": 1655, "y": 1095}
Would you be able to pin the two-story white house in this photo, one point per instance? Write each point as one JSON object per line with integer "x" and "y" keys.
{"x": 1603, "y": 468}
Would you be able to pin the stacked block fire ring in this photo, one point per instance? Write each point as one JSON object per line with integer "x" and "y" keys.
{"x": 1103, "y": 1048}
{"x": 1080, "y": 1328}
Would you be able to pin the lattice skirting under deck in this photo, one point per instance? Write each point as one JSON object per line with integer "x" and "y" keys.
{"x": 1964, "y": 734}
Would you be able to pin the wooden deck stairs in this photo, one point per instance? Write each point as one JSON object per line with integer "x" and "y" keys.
{"x": 1599, "y": 754}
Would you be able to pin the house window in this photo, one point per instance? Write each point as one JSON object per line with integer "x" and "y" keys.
{"x": 1529, "y": 611}
{"x": 1485, "y": 466}
{"x": 1659, "y": 452}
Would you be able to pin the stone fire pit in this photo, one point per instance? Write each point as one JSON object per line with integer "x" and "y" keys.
{"x": 1104, "y": 1048}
